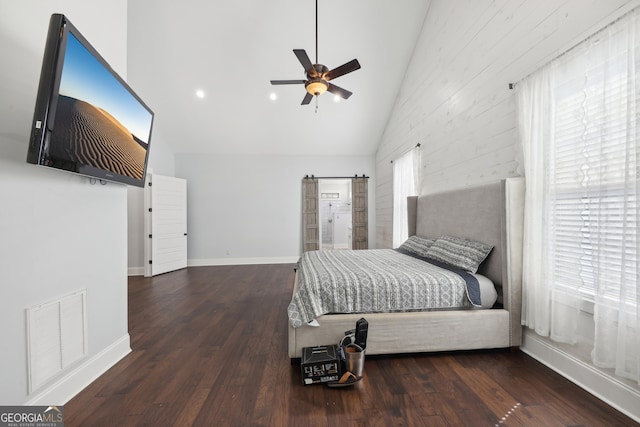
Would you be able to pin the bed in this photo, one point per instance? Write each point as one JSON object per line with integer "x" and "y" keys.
{"x": 490, "y": 213}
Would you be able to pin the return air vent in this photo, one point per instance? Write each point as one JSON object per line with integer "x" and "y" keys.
{"x": 56, "y": 337}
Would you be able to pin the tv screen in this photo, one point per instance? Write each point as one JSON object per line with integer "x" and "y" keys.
{"x": 87, "y": 119}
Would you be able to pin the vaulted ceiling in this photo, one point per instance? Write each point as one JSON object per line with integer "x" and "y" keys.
{"x": 231, "y": 50}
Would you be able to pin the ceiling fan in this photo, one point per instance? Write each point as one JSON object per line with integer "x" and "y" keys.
{"x": 318, "y": 75}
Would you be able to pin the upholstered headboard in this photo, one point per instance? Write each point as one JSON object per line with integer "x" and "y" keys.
{"x": 490, "y": 213}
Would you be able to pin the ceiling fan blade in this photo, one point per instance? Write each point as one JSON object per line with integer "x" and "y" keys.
{"x": 304, "y": 60}
{"x": 307, "y": 99}
{"x": 336, "y": 90}
{"x": 342, "y": 70}
{"x": 287, "y": 82}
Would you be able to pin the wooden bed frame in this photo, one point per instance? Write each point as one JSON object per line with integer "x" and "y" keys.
{"x": 492, "y": 214}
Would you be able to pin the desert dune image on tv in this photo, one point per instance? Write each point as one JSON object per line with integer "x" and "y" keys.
{"x": 98, "y": 122}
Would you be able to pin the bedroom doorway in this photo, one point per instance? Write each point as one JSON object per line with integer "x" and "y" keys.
{"x": 356, "y": 190}
{"x": 335, "y": 213}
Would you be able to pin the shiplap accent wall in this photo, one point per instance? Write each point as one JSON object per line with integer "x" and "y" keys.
{"x": 455, "y": 100}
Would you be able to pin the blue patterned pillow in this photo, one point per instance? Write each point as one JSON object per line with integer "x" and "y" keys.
{"x": 417, "y": 245}
{"x": 459, "y": 252}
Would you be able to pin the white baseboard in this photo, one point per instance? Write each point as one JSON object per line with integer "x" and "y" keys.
{"x": 242, "y": 261}
{"x": 72, "y": 383}
{"x": 135, "y": 271}
{"x": 615, "y": 392}
{"x": 139, "y": 271}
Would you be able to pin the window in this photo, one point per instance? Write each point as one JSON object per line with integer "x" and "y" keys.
{"x": 406, "y": 182}
{"x": 592, "y": 191}
{"x": 578, "y": 120}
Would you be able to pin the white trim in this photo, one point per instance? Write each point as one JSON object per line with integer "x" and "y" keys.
{"x": 242, "y": 261}
{"x": 613, "y": 391}
{"x": 72, "y": 383}
{"x": 135, "y": 271}
{"x": 139, "y": 271}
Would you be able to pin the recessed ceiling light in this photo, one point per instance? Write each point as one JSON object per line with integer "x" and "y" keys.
{"x": 273, "y": 96}
{"x": 200, "y": 93}
{"x": 336, "y": 98}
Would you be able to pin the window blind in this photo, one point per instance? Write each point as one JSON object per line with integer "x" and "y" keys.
{"x": 593, "y": 202}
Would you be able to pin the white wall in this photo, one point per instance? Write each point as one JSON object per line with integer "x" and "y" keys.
{"x": 251, "y": 206}
{"x": 58, "y": 232}
{"x": 161, "y": 159}
{"x": 161, "y": 162}
{"x": 455, "y": 101}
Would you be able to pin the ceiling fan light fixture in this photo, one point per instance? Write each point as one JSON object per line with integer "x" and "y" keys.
{"x": 316, "y": 87}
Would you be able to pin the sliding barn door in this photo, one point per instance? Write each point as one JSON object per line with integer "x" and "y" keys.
{"x": 310, "y": 215}
{"x": 360, "y": 209}
{"x": 166, "y": 224}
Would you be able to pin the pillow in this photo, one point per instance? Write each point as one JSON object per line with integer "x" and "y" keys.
{"x": 459, "y": 252}
{"x": 488, "y": 293}
{"x": 417, "y": 245}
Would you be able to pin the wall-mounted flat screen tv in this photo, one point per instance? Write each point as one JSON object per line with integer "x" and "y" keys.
{"x": 87, "y": 119}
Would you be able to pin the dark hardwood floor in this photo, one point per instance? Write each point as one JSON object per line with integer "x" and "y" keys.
{"x": 209, "y": 349}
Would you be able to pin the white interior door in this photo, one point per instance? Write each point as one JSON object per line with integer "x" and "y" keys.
{"x": 166, "y": 224}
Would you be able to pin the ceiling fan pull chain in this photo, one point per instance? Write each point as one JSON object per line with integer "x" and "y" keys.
{"x": 316, "y": 104}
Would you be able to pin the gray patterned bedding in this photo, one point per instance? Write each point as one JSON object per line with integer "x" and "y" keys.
{"x": 375, "y": 281}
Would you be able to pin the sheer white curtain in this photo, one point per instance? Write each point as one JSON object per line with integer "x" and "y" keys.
{"x": 578, "y": 121}
{"x": 406, "y": 182}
